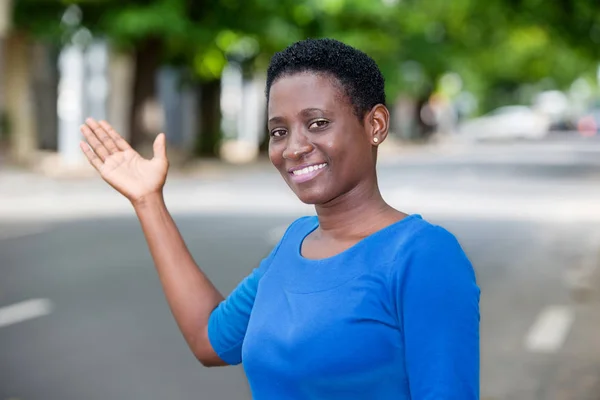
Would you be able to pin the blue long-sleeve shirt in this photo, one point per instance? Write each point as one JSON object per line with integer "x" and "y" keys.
{"x": 395, "y": 316}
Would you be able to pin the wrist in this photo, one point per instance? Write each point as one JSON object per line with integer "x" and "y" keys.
{"x": 149, "y": 200}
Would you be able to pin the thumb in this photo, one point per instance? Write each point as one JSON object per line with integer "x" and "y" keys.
{"x": 160, "y": 146}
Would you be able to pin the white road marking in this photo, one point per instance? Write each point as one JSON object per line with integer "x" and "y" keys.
{"x": 18, "y": 231}
{"x": 550, "y": 330}
{"x": 24, "y": 311}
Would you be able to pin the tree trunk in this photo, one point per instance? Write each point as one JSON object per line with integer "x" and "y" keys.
{"x": 147, "y": 61}
{"x": 210, "y": 119}
{"x": 45, "y": 89}
{"x": 19, "y": 100}
{"x": 121, "y": 74}
{"x": 263, "y": 146}
{"x": 3, "y": 112}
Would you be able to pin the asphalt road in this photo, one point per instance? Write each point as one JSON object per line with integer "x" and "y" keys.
{"x": 82, "y": 315}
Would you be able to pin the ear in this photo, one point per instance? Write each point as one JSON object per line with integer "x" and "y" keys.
{"x": 378, "y": 124}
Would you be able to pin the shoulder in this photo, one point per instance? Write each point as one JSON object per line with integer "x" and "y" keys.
{"x": 432, "y": 274}
{"x": 427, "y": 251}
{"x": 434, "y": 239}
{"x": 415, "y": 235}
{"x": 412, "y": 236}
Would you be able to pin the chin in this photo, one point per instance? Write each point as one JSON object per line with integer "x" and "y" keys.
{"x": 312, "y": 196}
{"x": 312, "y": 192}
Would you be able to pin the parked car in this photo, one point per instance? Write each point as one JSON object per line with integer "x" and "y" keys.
{"x": 507, "y": 123}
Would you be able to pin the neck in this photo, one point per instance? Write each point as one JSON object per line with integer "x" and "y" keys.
{"x": 352, "y": 214}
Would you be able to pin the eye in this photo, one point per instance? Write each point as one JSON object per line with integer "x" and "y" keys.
{"x": 278, "y": 132}
{"x": 320, "y": 123}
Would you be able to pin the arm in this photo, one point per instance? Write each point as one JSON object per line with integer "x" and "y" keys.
{"x": 190, "y": 294}
{"x": 201, "y": 314}
{"x": 439, "y": 314}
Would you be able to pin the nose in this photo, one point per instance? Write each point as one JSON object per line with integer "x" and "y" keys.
{"x": 297, "y": 146}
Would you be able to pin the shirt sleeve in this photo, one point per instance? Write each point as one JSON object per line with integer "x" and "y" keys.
{"x": 438, "y": 307}
{"x": 228, "y": 322}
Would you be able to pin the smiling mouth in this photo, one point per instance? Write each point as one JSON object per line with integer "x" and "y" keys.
{"x": 307, "y": 173}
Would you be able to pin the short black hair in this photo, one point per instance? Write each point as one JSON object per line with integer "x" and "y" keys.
{"x": 358, "y": 74}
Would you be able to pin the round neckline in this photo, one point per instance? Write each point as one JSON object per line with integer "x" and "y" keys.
{"x": 352, "y": 248}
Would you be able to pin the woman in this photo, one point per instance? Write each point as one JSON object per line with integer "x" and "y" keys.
{"x": 360, "y": 302}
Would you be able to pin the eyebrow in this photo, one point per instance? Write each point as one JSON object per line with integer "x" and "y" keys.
{"x": 303, "y": 113}
{"x": 276, "y": 120}
{"x": 307, "y": 111}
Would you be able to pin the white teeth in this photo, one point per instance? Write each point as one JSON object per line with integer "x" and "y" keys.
{"x": 308, "y": 169}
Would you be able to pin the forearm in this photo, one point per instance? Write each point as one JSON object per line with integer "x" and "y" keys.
{"x": 190, "y": 294}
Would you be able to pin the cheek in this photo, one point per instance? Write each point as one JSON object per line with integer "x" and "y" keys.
{"x": 347, "y": 145}
{"x": 275, "y": 154}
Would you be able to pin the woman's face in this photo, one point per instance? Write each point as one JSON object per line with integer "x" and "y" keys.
{"x": 317, "y": 143}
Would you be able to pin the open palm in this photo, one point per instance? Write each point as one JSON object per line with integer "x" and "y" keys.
{"x": 120, "y": 165}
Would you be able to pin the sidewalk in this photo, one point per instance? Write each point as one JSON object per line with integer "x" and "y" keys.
{"x": 211, "y": 186}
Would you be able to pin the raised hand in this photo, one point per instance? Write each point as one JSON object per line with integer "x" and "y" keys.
{"x": 121, "y": 166}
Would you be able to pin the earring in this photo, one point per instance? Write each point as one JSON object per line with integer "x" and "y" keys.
{"x": 375, "y": 140}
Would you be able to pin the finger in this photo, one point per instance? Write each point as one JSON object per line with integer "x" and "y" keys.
{"x": 90, "y": 155}
{"x": 102, "y": 136}
{"x": 93, "y": 141}
{"x": 160, "y": 146}
{"x": 119, "y": 141}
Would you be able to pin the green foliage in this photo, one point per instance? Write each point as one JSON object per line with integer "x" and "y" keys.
{"x": 491, "y": 45}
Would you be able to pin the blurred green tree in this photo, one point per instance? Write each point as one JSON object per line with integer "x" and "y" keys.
{"x": 494, "y": 47}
